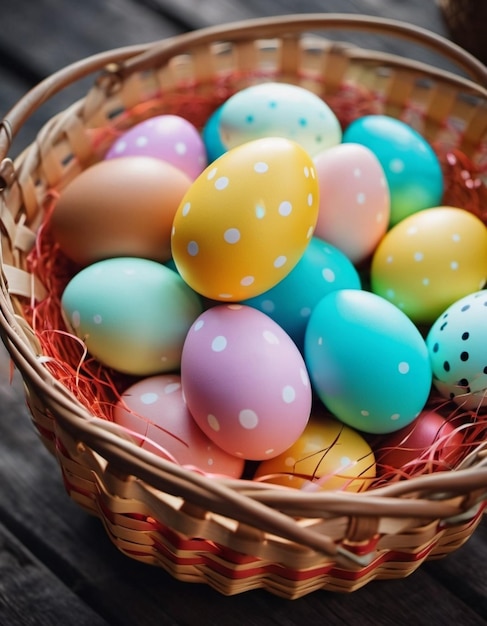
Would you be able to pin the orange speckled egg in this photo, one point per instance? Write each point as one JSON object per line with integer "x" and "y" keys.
{"x": 246, "y": 220}
{"x": 429, "y": 260}
{"x": 328, "y": 455}
{"x": 119, "y": 208}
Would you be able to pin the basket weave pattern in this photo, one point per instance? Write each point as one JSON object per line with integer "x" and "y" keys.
{"x": 232, "y": 534}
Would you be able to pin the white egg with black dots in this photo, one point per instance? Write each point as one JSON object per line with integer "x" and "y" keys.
{"x": 457, "y": 347}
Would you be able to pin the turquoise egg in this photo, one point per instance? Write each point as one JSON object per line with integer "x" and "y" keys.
{"x": 211, "y": 137}
{"x": 322, "y": 269}
{"x": 132, "y": 313}
{"x": 411, "y": 167}
{"x": 367, "y": 361}
{"x": 279, "y": 110}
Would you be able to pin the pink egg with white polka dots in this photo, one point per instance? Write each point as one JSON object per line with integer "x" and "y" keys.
{"x": 170, "y": 138}
{"x": 245, "y": 382}
{"x": 153, "y": 411}
{"x": 354, "y": 200}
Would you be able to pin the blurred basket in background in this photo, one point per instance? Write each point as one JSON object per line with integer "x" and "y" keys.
{"x": 465, "y": 20}
{"x": 234, "y": 535}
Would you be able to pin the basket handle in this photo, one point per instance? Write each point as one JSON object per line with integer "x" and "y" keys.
{"x": 290, "y": 24}
{"x": 123, "y": 61}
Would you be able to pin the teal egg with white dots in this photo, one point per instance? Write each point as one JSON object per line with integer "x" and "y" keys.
{"x": 411, "y": 167}
{"x": 457, "y": 347}
{"x": 367, "y": 361}
{"x": 322, "y": 269}
{"x": 211, "y": 136}
{"x": 278, "y": 110}
{"x": 133, "y": 314}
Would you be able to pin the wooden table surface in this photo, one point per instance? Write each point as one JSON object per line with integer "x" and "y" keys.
{"x": 57, "y": 565}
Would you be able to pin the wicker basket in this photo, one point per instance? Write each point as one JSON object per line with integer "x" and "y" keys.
{"x": 234, "y": 535}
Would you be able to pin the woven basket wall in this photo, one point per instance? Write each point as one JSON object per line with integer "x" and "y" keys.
{"x": 234, "y": 535}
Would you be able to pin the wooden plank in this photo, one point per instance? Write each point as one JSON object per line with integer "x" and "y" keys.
{"x": 414, "y": 12}
{"x": 463, "y": 570}
{"x": 30, "y": 594}
{"x": 60, "y": 33}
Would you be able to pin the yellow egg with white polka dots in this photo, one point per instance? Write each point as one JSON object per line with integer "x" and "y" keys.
{"x": 246, "y": 220}
{"x": 328, "y": 455}
{"x": 429, "y": 260}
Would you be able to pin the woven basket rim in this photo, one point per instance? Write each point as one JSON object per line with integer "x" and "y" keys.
{"x": 119, "y": 62}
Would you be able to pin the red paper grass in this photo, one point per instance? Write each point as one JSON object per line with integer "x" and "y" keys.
{"x": 98, "y": 387}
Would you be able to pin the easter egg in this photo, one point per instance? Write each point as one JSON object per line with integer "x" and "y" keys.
{"x": 328, "y": 455}
{"x": 211, "y": 137}
{"x": 430, "y": 260}
{"x": 430, "y": 439}
{"x": 457, "y": 347}
{"x": 411, "y": 167}
{"x": 119, "y": 207}
{"x": 154, "y": 412}
{"x": 170, "y": 138}
{"x": 245, "y": 382}
{"x": 367, "y": 361}
{"x": 321, "y": 269}
{"x": 133, "y": 314}
{"x": 246, "y": 220}
{"x": 354, "y": 200}
{"x": 274, "y": 109}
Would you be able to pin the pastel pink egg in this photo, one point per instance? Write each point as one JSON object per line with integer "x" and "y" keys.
{"x": 245, "y": 382}
{"x": 170, "y": 138}
{"x": 154, "y": 411}
{"x": 354, "y": 206}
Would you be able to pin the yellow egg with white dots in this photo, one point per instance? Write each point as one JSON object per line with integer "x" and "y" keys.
{"x": 246, "y": 220}
{"x": 327, "y": 456}
{"x": 429, "y": 260}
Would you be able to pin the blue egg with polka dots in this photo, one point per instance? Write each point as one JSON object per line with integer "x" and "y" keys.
{"x": 211, "y": 137}
{"x": 457, "y": 347}
{"x": 322, "y": 269}
{"x": 367, "y": 361}
{"x": 411, "y": 167}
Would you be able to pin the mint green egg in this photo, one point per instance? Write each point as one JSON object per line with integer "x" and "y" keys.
{"x": 132, "y": 313}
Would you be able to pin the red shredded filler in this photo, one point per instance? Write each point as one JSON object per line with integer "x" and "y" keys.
{"x": 98, "y": 387}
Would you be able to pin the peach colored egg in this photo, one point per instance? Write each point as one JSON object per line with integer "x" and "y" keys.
{"x": 154, "y": 411}
{"x": 354, "y": 200}
{"x": 119, "y": 207}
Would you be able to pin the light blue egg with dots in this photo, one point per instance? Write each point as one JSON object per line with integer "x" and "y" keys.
{"x": 411, "y": 167}
{"x": 367, "y": 361}
{"x": 322, "y": 269}
{"x": 279, "y": 110}
{"x": 133, "y": 314}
